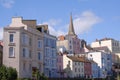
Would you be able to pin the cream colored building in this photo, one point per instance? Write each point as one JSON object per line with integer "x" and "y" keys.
{"x": 63, "y": 45}
{"x": 108, "y": 45}
{"x": 23, "y": 47}
{"x": 73, "y": 66}
{"x": 113, "y": 45}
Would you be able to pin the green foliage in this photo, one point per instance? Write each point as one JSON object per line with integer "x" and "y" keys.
{"x": 43, "y": 77}
{"x": 12, "y": 73}
{"x": 36, "y": 75}
{"x": 24, "y": 79}
{"x": 7, "y": 73}
{"x": 3, "y": 74}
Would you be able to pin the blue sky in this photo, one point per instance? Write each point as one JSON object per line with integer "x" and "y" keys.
{"x": 93, "y": 19}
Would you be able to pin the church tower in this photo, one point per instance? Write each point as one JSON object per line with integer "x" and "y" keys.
{"x": 71, "y": 28}
{"x": 70, "y": 43}
{"x": 71, "y": 32}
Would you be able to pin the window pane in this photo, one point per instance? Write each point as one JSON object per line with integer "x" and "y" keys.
{"x": 30, "y": 54}
{"x": 11, "y": 52}
{"x": 25, "y": 39}
{"x": 30, "y": 41}
{"x": 39, "y": 44}
{"x": 11, "y": 38}
{"x": 30, "y": 67}
{"x": 39, "y": 56}
{"x": 24, "y": 52}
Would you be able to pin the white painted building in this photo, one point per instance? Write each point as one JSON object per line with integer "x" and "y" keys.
{"x": 104, "y": 62}
{"x": 73, "y": 66}
{"x": 108, "y": 45}
{"x": 112, "y": 44}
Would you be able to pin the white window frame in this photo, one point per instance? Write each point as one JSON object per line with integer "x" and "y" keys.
{"x": 11, "y": 53}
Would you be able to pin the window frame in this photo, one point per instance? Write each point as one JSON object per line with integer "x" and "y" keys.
{"x": 24, "y": 52}
{"x": 39, "y": 44}
{"x": 11, "y": 38}
{"x": 11, "y": 53}
{"x": 39, "y": 56}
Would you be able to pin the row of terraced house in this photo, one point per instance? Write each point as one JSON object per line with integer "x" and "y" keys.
{"x": 28, "y": 46}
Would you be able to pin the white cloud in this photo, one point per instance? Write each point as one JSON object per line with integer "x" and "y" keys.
{"x": 51, "y": 25}
{"x": 1, "y": 33}
{"x": 54, "y": 22}
{"x": 7, "y": 3}
{"x": 82, "y": 23}
{"x": 85, "y": 21}
{"x": 55, "y": 32}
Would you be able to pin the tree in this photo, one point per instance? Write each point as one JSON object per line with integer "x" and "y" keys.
{"x": 8, "y": 73}
{"x": 3, "y": 74}
{"x": 12, "y": 73}
{"x": 38, "y": 76}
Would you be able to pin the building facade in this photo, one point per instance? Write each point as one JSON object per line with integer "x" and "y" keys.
{"x": 62, "y": 44}
{"x": 23, "y": 47}
{"x": 112, "y": 44}
{"x": 1, "y": 53}
{"x": 108, "y": 45}
{"x": 70, "y": 42}
{"x": 104, "y": 62}
{"x": 94, "y": 69}
{"x": 50, "y": 56}
{"x": 73, "y": 66}
{"x": 60, "y": 70}
{"x": 88, "y": 68}
{"x": 68, "y": 66}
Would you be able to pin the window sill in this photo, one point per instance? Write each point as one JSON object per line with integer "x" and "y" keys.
{"x": 11, "y": 44}
{"x": 11, "y": 57}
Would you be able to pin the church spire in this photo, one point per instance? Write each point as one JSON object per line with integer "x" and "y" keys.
{"x": 71, "y": 28}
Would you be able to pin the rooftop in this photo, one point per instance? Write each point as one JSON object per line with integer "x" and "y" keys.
{"x": 76, "y": 59}
{"x": 104, "y": 39}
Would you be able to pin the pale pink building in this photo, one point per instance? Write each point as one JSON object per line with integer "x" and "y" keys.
{"x": 77, "y": 48}
{"x": 60, "y": 69}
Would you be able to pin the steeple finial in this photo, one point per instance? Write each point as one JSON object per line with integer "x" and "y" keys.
{"x": 71, "y": 28}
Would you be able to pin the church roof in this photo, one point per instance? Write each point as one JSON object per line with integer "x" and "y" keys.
{"x": 71, "y": 28}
